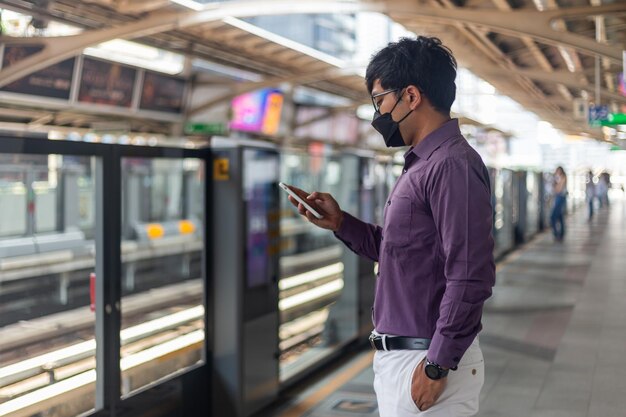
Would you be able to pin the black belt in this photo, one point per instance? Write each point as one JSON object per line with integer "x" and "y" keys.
{"x": 385, "y": 342}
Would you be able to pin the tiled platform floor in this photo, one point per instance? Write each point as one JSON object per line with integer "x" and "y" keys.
{"x": 554, "y": 334}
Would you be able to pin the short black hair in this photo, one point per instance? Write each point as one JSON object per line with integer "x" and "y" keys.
{"x": 423, "y": 62}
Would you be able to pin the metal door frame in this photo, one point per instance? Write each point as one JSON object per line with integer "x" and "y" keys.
{"x": 108, "y": 243}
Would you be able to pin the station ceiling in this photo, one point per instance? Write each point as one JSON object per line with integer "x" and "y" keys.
{"x": 541, "y": 53}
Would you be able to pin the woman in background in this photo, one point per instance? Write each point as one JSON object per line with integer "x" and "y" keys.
{"x": 558, "y": 210}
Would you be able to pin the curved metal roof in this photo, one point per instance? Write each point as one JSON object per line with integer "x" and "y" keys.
{"x": 541, "y": 53}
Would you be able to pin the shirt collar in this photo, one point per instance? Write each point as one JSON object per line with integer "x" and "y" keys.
{"x": 434, "y": 140}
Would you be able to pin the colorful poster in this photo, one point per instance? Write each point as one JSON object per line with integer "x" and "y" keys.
{"x": 162, "y": 93}
{"x": 621, "y": 83}
{"x": 54, "y": 81}
{"x": 273, "y": 109}
{"x": 106, "y": 83}
{"x": 257, "y": 112}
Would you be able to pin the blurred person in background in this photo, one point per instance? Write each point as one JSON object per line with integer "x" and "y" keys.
{"x": 557, "y": 218}
{"x": 590, "y": 193}
{"x": 602, "y": 189}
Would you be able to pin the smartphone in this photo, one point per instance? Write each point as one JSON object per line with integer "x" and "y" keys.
{"x": 300, "y": 200}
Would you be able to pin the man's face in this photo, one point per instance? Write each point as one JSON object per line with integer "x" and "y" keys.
{"x": 384, "y": 99}
{"x": 398, "y": 103}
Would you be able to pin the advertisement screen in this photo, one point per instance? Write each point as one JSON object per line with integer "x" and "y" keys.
{"x": 106, "y": 83}
{"x": 54, "y": 81}
{"x": 260, "y": 198}
{"x": 162, "y": 93}
{"x": 257, "y": 112}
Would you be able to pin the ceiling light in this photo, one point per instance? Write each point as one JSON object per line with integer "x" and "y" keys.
{"x": 539, "y": 5}
{"x": 569, "y": 61}
{"x": 135, "y": 54}
{"x": 288, "y": 43}
{"x": 190, "y": 4}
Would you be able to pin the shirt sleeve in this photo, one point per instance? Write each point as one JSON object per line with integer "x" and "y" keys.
{"x": 460, "y": 200}
{"x": 360, "y": 237}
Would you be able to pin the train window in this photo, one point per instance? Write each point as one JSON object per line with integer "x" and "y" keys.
{"x": 162, "y": 274}
{"x": 47, "y": 255}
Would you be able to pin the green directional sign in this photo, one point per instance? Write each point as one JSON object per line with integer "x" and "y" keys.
{"x": 614, "y": 119}
{"x": 196, "y": 128}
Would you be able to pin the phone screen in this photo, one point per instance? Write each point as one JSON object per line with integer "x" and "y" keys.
{"x": 301, "y": 198}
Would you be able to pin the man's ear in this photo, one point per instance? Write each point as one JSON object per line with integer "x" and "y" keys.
{"x": 414, "y": 96}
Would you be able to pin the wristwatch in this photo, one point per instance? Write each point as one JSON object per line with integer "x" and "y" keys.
{"x": 434, "y": 371}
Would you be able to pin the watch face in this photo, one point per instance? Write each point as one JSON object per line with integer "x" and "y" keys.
{"x": 432, "y": 372}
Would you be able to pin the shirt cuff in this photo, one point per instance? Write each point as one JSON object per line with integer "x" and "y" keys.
{"x": 349, "y": 229}
{"x": 447, "y": 352}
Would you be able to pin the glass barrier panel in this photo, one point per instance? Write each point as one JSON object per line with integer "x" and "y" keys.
{"x": 13, "y": 199}
{"x": 47, "y": 257}
{"x": 162, "y": 280}
{"x": 45, "y": 189}
{"x": 312, "y": 271}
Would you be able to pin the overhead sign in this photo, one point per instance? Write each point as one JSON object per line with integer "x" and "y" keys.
{"x": 208, "y": 129}
{"x": 100, "y": 82}
{"x": 54, "y": 81}
{"x": 162, "y": 93}
{"x": 598, "y": 114}
{"x": 107, "y": 83}
{"x": 614, "y": 119}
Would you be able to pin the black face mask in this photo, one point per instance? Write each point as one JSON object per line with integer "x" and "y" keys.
{"x": 389, "y": 128}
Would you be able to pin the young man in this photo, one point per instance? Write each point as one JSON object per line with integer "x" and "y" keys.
{"x": 435, "y": 247}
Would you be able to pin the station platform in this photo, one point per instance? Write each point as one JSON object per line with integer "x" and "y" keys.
{"x": 553, "y": 333}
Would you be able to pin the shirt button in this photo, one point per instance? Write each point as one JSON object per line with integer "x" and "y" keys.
{"x": 404, "y": 170}
{"x": 389, "y": 202}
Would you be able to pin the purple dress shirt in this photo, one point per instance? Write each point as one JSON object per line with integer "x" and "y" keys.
{"x": 435, "y": 249}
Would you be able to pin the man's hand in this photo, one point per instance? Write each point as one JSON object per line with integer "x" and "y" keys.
{"x": 424, "y": 391}
{"x": 328, "y": 207}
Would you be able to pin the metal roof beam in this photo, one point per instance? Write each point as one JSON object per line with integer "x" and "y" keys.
{"x": 140, "y": 6}
{"x": 536, "y": 24}
{"x": 57, "y": 49}
{"x": 518, "y": 23}
{"x": 477, "y": 35}
{"x": 299, "y": 79}
{"x": 574, "y": 80}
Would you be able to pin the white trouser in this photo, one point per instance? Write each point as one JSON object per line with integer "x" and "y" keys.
{"x": 393, "y": 374}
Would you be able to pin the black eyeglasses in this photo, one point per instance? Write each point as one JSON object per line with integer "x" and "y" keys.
{"x": 375, "y": 96}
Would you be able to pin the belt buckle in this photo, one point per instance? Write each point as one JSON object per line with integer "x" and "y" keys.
{"x": 383, "y": 339}
{"x": 371, "y": 338}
